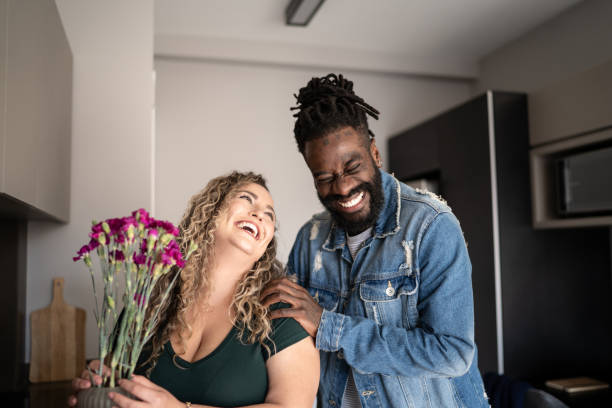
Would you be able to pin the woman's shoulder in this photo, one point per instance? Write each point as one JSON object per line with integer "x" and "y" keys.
{"x": 286, "y": 331}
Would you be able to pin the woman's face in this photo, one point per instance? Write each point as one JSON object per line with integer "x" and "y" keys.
{"x": 248, "y": 221}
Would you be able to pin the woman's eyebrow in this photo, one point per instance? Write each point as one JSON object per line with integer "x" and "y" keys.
{"x": 255, "y": 197}
{"x": 250, "y": 193}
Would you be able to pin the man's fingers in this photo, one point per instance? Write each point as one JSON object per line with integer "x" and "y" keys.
{"x": 294, "y": 285}
{"x": 289, "y": 312}
{"x": 282, "y": 297}
{"x": 285, "y": 287}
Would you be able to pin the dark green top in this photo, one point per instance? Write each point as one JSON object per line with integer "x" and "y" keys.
{"x": 234, "y": 374}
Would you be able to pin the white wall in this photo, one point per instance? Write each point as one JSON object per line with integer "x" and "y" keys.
{"x": 213, "y": 117}
{"x": 577, "y": 39}
{"x": 112, "y": 45}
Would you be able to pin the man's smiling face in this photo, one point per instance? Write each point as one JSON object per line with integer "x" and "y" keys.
{"x": 348, "y": 183}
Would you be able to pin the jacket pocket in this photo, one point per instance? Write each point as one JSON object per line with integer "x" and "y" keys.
{"x": 326, "y": 299}
{"x": 392, "y": 300}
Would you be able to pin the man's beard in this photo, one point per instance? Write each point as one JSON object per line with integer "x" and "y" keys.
{"x": 375, "y": 191}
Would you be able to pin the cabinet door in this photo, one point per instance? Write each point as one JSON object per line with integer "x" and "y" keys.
{"x": 38, "y": 93}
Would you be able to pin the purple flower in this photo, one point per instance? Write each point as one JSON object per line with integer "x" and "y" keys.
{"x": 172, "y": 255}
{"x": 140, "y": 299}
{"x": 127, "y": 221}
{"x": 167, "y": 259}
{"x": 140, "y": 259}
{"x": 97, "y": 228}
{"x": 120, "y": 238}
{"x": 117, "y": 255}
{"x": 141, "y": 216}
{"x": 100, "y": 237}
{"x": 115, "y": 225}
{"x": 93, "y": 244}
{"x": 169, "y": 228}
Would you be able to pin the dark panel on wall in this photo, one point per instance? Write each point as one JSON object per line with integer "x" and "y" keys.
{"x": 12, "y": 304}
{"x": 455, "y": 146}
{"x": 415, "y": 153}
{"x": 465, "y": 184}
{"x": 555, "y": 283}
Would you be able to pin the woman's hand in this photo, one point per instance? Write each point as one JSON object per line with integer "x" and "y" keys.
{"x": 84, "y": 381}
{"x": 150, "y": 395}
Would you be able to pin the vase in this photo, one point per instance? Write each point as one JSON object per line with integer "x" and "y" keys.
{"x": 97, "y": 397}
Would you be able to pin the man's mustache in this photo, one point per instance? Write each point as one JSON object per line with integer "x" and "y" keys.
{"x": 328, "y": 199}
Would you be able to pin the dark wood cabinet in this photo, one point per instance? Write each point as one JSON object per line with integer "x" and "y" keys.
{"x": 543, "y": 298}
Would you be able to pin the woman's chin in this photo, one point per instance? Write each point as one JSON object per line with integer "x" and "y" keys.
{"x": 247, "y": 249}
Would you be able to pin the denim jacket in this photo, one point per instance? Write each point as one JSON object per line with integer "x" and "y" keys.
{"x": 400, "y": 315}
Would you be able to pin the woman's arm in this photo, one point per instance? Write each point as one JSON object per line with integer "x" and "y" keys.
{"x": 293, "y": 379}
{"x": 293, "y": 376}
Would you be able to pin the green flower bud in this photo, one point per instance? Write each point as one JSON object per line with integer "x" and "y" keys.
{"x": 130, "y": 233}
{"x": 192, "y": 248}
{"x": 105, "y": 227}
{"x": 157, "y": 270}
{"x": 165, "y": 239}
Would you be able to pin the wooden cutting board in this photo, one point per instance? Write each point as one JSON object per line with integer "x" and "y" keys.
{"x": 57, "y": 340}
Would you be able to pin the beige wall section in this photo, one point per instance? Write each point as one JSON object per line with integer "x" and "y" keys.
{"x": 213, "y": 117}
{"x": 574, "y": 41}
{"x": 112, "y": 45}
{"x": 3, "y": 62}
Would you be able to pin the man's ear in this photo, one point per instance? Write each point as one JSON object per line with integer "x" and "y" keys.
{"x": 375, "y": 153}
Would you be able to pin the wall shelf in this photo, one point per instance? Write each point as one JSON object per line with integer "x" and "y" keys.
{"x": 543, "y": 184}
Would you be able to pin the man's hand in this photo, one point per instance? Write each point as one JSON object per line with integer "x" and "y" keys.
{"x": 303, "y": 307}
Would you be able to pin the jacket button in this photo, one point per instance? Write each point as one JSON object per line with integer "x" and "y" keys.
{"x": 332, "y": 403}
{"x": 390, "y": 291}
{"x": 340, "y": 355}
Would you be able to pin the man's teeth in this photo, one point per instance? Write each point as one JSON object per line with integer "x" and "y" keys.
{"x": 353, "y": 202}
{"x": 251, "y": 228}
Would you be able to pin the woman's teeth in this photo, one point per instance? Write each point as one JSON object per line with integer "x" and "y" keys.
{"x": 351, "y": 203}
{"x": 249, "y": 227}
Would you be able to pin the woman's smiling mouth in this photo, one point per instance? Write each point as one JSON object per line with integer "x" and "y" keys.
{"x": 249, "y": 227}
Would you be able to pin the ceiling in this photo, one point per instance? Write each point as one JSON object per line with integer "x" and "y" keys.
{"x": 439, "y": 38}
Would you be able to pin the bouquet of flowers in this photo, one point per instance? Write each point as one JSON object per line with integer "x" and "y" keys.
{"x": 140, "y": 249}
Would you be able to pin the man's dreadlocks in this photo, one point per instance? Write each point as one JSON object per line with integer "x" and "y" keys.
{"x": 326, "y": 104}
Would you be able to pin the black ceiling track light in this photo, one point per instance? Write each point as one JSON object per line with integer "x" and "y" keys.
{"x": 300, "y": 12}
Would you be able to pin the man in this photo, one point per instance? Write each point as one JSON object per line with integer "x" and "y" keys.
{"x": 387, "y": 277}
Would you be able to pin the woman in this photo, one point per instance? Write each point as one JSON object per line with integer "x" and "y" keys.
{"x": 215, "y": 344}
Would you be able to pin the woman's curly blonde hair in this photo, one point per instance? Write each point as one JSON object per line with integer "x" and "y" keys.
{"x": 198, "y": 225}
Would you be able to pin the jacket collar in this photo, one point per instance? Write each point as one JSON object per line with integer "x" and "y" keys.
{"x": 388, "y": 219}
